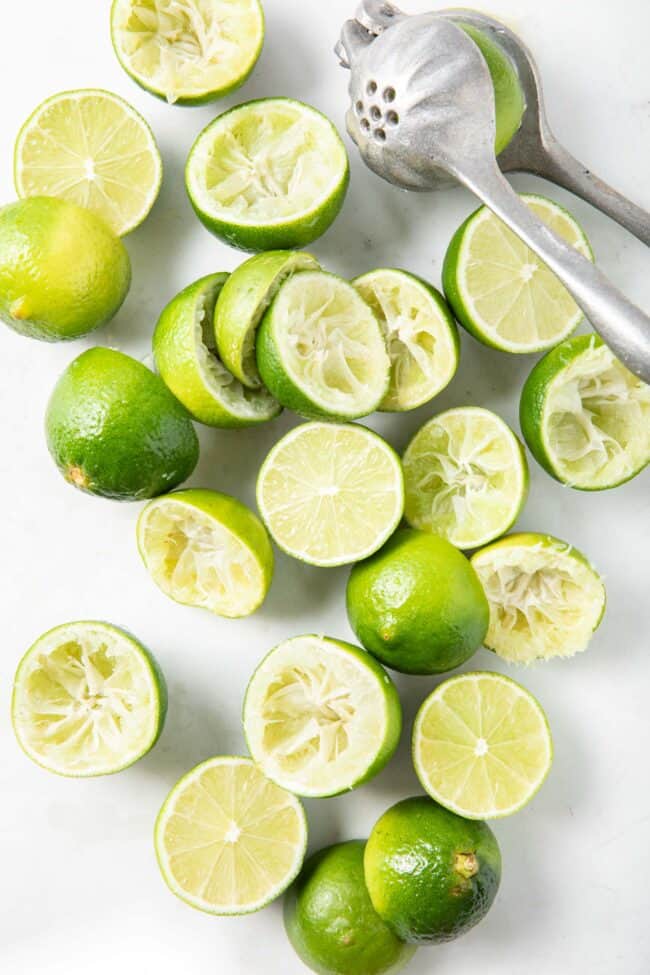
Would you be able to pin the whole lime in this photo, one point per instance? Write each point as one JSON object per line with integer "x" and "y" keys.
{"x": 114, "y": 429}
{"x": 63, "y": 272}
{"x": 431, "y": 874}
{"x": 417, "y": 604}
{"x": 331, "y": 922}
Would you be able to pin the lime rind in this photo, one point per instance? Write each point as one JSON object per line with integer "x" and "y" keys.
{"x": 321, "y": 716}
{"x": 88, "y": 699}
{"x": 186, "y": 358}
{"x": 281, "y": 807}
{"x": 420, "y": 333}
{"x": 585, "y": 417}
{"x": 482, "y": 736}
{"x": 95, "y": 166}
{"x": 466, "y": 477}
{"x": 546, "y": 600}
{"x": 184, "y": 52}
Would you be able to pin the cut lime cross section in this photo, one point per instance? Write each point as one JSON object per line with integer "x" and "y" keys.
{"x": 88, "y": 699}
{"x": 331, "y": 493}
{"x": 481, "y": 745}
{"x": 92, "y": 148}
{"x": 228, "y": 840}
{"x": 466, "y": 477}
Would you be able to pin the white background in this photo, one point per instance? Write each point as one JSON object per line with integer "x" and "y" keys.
{"x": 79, "y": 887}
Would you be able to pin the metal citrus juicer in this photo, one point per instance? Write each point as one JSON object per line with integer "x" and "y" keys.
{"x": 422, "y": 112}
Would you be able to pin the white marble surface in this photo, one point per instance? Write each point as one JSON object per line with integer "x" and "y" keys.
{"x": 80, "y": 890}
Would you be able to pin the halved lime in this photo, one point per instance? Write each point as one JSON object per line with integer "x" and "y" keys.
{"x": 244, "y": 298}
{"x": 88, "y": 699}
{"x": 420, "y": 334}
{"x": 320, "y": 350}
{"x": 268, "y": 174}
{"x": 186, "y": 358}
{"x": 206, "y": 549}
{"x": 331, "y": 493}
{"x": 482, "y": 746}
{"x": 585, "y": 417}
{"x": 228, "y": 840}
{"x": 187, "y": 51}
{"x": 92, "y": 148}
{"x": 501, "y": 291}
{"x": 545, "y": 598}
{"x": 465, "y": 477}
{"x": 321, "y": 716}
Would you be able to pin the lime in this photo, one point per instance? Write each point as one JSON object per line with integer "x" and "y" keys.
{"x": 331, "y": 493}
{"x": 187, "y": 51}
{"x": 330, "y": 920}
{"x": 431, "y": 874}
{"x": 63, "y": 273}
{"x": 481, "y": 745}
{"x": 545, "y": 598}
{"x": 321, "y": 716}
{"x": 465, "y": 477}
{"x": 206, "y": 549}
{"x": 114, "y": 429}
{"x": 266, "y": 174}
{"x": 417, "y": 604}
{"x": 244, "y": 298}
{"x": 88, "y": 699}
{"x": 501, "y": 291}
{"x": 92, "y": 148}
{"x": 228, "y": 840}
{"x": 186, "y": 358}
{"x": 585, "y": 417}
{"x": 320, "y": 349}
{"x": 420, "y": 334}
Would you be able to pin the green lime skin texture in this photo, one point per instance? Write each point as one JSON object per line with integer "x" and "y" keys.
{"x": 114, "y": 429}
{"x": 417, "y": 604}
{"x": 63, "y": 272}
{"x": 508, "y": 94}
{"x": 431, "y": 874}
{"x": 331, "y": 922}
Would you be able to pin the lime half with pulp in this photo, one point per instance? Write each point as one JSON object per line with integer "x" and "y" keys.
{"x": 321, "y": 716}
{"x": 481, "y": 745}
{"x": 88, "y": 700}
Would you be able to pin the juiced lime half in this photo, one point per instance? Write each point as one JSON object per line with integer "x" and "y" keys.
{"x": 188, "y": 51}
{"x": 501, "y": 291}
{"x": 186, "y": 358}
{"x": 268, "y": 174}
{"x": 88, "y": 699}
{"x": 320, "y": 350}
{"x": 420, "y": 334}
{"x": 331, "y": 493}
{"x": 585, "y": 417}
{"x": 545, "y": 598}
{"x": 321, "y": 716}
{"x": 244, "y": 298}
{"x": 481, "y": 745}
{"x": 465, "y": 477}
{"x": 228, "y": 840}
{"x": 206, "y": 549}
{"x": 92, "y": 148}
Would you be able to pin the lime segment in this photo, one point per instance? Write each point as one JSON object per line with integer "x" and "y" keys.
{"x": 88, "y": 699}
{"x": 331, "y": 494}
{"x": 228, "y": 840}
{"x": 321, "y": 716}
{"x": 420, "y": 334}
{"x": 206, "y": 549}
{"x": 545, "y": 598}
{"x": 481, "y": 745}
{"x": 466, "y": 477}
{"x": 501, "y": 291}
{"x": 92, "y": 148}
